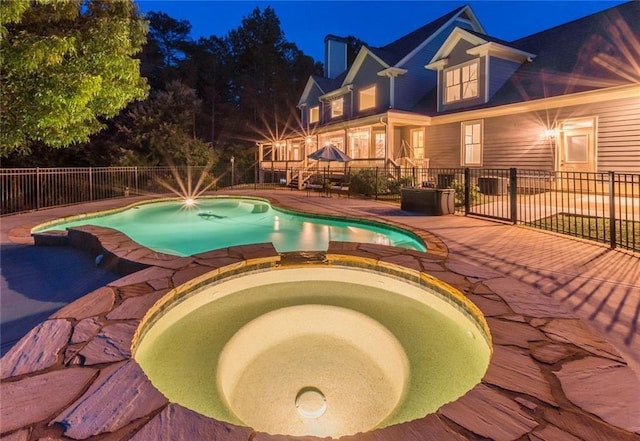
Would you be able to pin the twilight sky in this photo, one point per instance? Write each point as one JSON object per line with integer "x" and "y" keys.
{"x": 379, "y": 22}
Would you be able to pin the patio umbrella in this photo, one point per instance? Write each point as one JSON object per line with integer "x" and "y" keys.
{"x": 330, "y": 153}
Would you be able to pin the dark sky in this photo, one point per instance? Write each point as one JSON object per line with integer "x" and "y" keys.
{"x": 377, "y": 23}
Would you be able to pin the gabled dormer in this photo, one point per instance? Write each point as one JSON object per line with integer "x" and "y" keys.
{"x": 310, "y": 103}
{"x": 471, "y": 68}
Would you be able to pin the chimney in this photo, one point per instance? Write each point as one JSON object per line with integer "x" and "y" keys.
{"x": 335, "y": 56}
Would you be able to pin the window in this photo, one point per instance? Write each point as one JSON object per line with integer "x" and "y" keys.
{"x": 337, "y": 108}
{"x": 380, "y": 139}
{"x": 368, "y": 98}
{"x": 461, "y": 83}
{"x": 359, "y": 144}
{"x": 417, "y": 143}
{"x": 472, "y": 143}
{"x": 335, "y": 138}
{"x": 314, "y": 114}
{"x": 296, "y": 149}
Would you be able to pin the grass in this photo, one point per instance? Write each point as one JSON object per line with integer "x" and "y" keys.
{"x": 594, "y": 228}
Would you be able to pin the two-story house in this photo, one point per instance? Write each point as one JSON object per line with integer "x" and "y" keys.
{"x": 448, "y": 95}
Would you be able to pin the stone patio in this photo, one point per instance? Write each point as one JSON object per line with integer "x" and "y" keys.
{"x": 72, "y": 377}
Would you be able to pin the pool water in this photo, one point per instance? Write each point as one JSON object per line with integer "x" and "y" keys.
{"x": 213, "y": 223}
{"x": 318, "y": 350}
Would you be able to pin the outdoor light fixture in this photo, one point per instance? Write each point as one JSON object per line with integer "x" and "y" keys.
{"x": 550, "y": 133}
{"x": 189, "y": 202}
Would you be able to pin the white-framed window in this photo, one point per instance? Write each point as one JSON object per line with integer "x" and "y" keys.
{"x": 280, "y": 152}
{"x": 314, "y": 114}
{"x": 337, "y": 108}
{"x": 472, "y": 143}
{"x": 417, "y": 143}
{"x": 359, "y": 144}
{"x": 335, "y": 138}
{"x": 380, "y": 140}
{"x": 296, "y": 149}
{"x": 461, "y": 82}
{"x": 367, "y": 98}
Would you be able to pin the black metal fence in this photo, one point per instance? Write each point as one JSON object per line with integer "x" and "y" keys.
{"x": 604, "y": 207}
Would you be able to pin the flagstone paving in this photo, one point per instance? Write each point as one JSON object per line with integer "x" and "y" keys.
{"x": 551, "y": 376}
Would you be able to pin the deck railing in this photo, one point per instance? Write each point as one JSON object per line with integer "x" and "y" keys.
{"x": 604, "y": 207}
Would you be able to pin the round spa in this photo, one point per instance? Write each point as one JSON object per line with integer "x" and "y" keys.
{"x": 324, "y": 350}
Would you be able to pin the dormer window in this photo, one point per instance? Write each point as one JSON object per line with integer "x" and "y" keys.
{"x": 368, "y": 98}
{"x": 461, "y": 82}
{"x": 314, "y": 114}
{"x": 337, "y": 108}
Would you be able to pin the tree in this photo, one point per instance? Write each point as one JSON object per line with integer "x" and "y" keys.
{"x": 160, "y": 130}
{"x": 205, "y": 69}
{"x": 354, "y": 45}
{"x": 67, "y": 66}
{"x": 270, "y": 73}
{"x": 167, "y": 42}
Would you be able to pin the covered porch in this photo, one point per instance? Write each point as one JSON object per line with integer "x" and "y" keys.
{"x": 393, "y": 140}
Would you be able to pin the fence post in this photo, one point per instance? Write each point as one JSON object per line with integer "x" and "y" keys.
{"x": 467, "y": 191}
{"x": 513, "y": 194}
{"x": 90, "y": 183}
{"x": 612, "y": 209}
{"x": 376, "y": 183}
{"x": 37, "y": 188}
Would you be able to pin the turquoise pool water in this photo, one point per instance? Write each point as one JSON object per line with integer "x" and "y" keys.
{"x": 214, "y": 223}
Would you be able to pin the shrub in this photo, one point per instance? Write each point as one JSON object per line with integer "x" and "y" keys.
{"x": 368, "y": 182}
{"x": 474, "y": 192}
{"x": 395, "y": 185}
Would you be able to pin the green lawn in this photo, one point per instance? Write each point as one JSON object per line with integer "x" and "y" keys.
{"x": 596, "y": 228}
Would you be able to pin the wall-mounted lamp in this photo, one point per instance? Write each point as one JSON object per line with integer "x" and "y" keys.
{"x": 550, "y": 133}
{"x": 309, "y": 140}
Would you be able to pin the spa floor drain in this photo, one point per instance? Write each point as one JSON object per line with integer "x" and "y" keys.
{"x": 311, "y": 403}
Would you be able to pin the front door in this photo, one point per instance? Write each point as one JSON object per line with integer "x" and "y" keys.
{"x": 577, "y": 152}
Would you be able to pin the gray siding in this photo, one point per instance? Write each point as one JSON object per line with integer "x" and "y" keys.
{"x": 619, "y": 136}
{"x": 312, "y": 100}
{"x": 459, "y": 56}
{"x": 443, "y": 145}
{"x": 519, "y": 141}
{"x": 418, "y": 81}
{"x": 499, "y": 72}
{"x": 366, "y": 77}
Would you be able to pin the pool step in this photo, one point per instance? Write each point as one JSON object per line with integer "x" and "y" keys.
{"x": 302, "y": 257}
{"x": 54, "y": 238}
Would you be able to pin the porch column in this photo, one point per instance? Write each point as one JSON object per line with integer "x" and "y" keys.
{"x": 391, "y": 141}
{"x": 260, "y": 169}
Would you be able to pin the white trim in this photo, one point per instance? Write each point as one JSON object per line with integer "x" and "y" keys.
{"x": 332, "y": 115}
{"x": 357, "y": 64}
{"x": 392, "y": 72}
{"x": 365, "y": 90}
{"x": 459, "y": 67}
{"x": 307, "y": 90}
{"x": 337, "y": 93}
{"x": 463, "y": 145}
{"x": 311, "y": 109}
{"x": 486, "y": 79}
{"x": 575, "y": 99}
{"x": 475, "y": 25}
{"x": 437, "y": 65}
{"x": 452, "y": 40}
{"x": 501, "y": 51}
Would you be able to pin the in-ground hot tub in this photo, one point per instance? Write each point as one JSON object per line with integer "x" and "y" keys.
{"x": 325, "y": 350}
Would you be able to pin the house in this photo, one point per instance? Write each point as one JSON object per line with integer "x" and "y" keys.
{"x": 449, "y": 95}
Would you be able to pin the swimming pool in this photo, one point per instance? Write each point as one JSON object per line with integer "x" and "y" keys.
{"x": 323, "y": 350}
{"x": 171, "y": 226}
